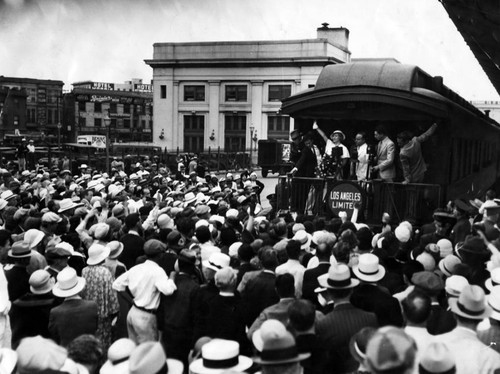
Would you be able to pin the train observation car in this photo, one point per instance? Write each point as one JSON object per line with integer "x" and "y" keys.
{"x": 462, "y": 156}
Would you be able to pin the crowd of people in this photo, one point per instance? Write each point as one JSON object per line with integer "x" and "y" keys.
{"x": 162, "y": 271}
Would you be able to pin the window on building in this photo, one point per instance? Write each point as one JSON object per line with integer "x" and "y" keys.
{"x": 236, "y": 92}
{"x": 31, "y": 95}
{"x": 126, "y": 108}
{"x": 82, "y": 106}
{"x": 97, "y": 107}
{"x": 97, "y": 122}
{"x": 194, "y": 93}
{"x": 163, "y": 91}
{"x": 31, "y": 115}
{"x": 235, "y": 133}
{"x": 112, "y": 107}
{"x": 194, "y": 130}
{"x": 82, "y": 122}
{"x": 278, "y": 92}
{"x": 126, "y": 123}
{"x": 278, "y": 127}
{"x": 50, "y": 116}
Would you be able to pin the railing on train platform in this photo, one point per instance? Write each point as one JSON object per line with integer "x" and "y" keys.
{"x": 415, "y": 201}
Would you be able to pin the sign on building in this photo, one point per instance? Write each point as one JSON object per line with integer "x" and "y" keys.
{"x": 97, "y": 141}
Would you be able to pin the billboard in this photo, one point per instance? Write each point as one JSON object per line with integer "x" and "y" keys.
{"x": 97, "y": 141}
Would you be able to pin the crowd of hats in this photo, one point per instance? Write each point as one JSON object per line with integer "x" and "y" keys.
{"x": 212, "y": 203}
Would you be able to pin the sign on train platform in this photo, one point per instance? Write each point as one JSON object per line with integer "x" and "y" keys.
{"x": 342, "y": 197}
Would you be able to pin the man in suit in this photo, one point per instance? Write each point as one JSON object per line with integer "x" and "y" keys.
{"x": 336, "y": 329}
{"x": 260, "y": 292}
{"x": 386, "y": 151}
{"x": 371, "y": 297}
{"x": 310, "y": 281}
{"x": 176, "y": 312}
{"x": 75, "y": 316}
{"x": 305, "y": 167}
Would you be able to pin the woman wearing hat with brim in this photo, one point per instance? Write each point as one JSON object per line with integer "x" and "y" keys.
{"x": 335, "y": 141}
{"x": 99, "y": 289}
{"x": 116, "y": 267}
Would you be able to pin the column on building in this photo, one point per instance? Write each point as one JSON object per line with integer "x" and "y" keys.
{"x": 177, "y": 132}
{"x": 214, "y": 118}
{"x": 256, "y": 117}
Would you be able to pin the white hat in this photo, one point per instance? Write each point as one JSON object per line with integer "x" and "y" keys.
{"x": 118, "y": 357}
{"x": 218, "y": 356}
{"x": 83, "y": 166}
{"x": 445, "y": 247}
{"x": 494, "y": 279}
{"x": 33, "y": 237}
{"x": 493, "y": 300}
{"x": 217, "y": 261}
{"x": 268, "y": 327}
{"x": 3, "y": 203}
{"x": 232, "y": 213}
{"x": 447, "y": 264}
{"x": 67, "y": 204}
{"x": 68, "y": 283}
{"x": 7, "y": 195}
{"x": 437, "y": 358}
{"x": 97, "y": 254}
{"x": 41, "y": 282}
{"x": 403, "y": 234}
{"x": 189, "y": 198}
{"x": 304, "y": 238}
{"x": 338, "y": 277}
{"x": 368, "y": 268}
{"x": 455, "y": 284}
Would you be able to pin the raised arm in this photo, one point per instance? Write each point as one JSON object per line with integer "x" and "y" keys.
{"x": 323, "y": 135}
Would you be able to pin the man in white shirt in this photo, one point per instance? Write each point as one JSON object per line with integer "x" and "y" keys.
{"x": 362, "y": 160}
{"x": 293, "y": 266}
{"x": 145, "y": 282}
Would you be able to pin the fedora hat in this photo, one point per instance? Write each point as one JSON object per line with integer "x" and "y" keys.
{"x": 118, "y": 357}
{"x": 189, "y": 198}
{"x": 33, "y": 237}
{"x": 304, "y": 238}
{"x": 7, "y": 195}
{"x": 20, "y": 249}
{"x": 97, "y": 254}
{"x": 455, "y": 284}
{"x": 268, "y": 327}
{"x": 471, "y": 303}
{"x": 68, "y": 283}
{"x": 368, "y": 268}
{"x": 474, "y": 245}
{"x": 218, "y": 356}
{"x": 445, "y": 247}
{"x": 150, "y": 358}
{"x": 447, "y": 264}
{"x": 217, "y": 261}
{"x": 337, "y": 278}
{"x": 67, "y": 204}
{"x": 436, "y": 358}
{"x": 494, "y": 279}
{"x": 41, "y": 282}
{"x": 493, "y": 300}
{"x": 359, "y": 342}
{"x": 115, "y": 249}
{"x": 279, "y": 347}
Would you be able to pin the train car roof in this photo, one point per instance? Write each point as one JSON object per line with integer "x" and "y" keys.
{"x": 389, "y": 83}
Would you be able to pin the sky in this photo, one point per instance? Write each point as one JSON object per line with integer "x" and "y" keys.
{"x": 108, "y": 40}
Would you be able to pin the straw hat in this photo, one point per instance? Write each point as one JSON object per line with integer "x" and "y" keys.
{"x": 338, "y": 277}
{"x": 471, "y": 303}
{"x": 437, "y": 358}
{"x": 41, "y": 282}
{"x": 368, "y": 268}
{"x": 118, "y": 357}
{"x": 115, "y": 249}
{"x": 68, "y": 283}
{"x": 97, "y": 254}
{"x": 218, "y": 356}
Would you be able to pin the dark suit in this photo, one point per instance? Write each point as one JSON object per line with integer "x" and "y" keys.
{"x": 310, "y": 282}
{"x": 205, "y": 294}
{"x": 29, "y": 316}
{"x": 259, "y": 293}
{"x": 372, "y": 298}
{"x": 133, "y": 247}
{"x": 306, "y": 166}
{"x": 440, "y": 320}
{"x": 176, "y": 317}
{"x": 71, "y": 319}
{"x": 18, "y": 281}
{"x": 335, "y": 331}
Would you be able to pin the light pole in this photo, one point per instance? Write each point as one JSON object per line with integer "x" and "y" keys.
{"x": 251, "y": 144}
{"x": 107, "y": 123}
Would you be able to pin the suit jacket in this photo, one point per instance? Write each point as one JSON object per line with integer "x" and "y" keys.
{"x": 133, "y": 247}
{"x": 176, "y": 317}
{"x": 373, "y": 299}
{"x": 306, "y": 165}
{"x": 310, "y": 282}
{"x": 259, "y": 293}
{"x": 29, "y": 316}
{"x": 440, "y": 321}
{"x": 74, "y": 317}
{"x": 17, "y": 281}
{"x": 386, "y": 152}
{"x": 277, "y": 311}
{"x": 335, "y": 331}
{"x": 205, "y": 294}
